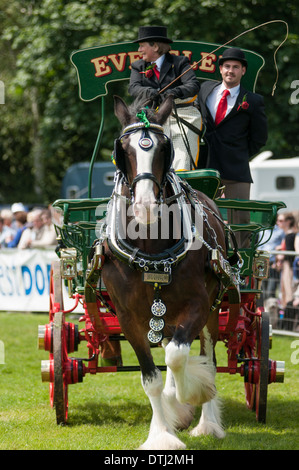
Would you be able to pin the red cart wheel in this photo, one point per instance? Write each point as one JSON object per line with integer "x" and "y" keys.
{"x": 257, "y": 371}
{"x": 60, "y": 386}
{"x": 56, "y": 305}
{"x": 56, "y": 292}
{"x": 59, "y": 338}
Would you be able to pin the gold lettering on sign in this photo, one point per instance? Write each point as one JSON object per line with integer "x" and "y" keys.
{"x": 188, "y": 54}
{"x": 118, "y": 60}
{"x": 100, "y": 65}
{"x": 207, "y": 63}
{"x": 134, "y": 56}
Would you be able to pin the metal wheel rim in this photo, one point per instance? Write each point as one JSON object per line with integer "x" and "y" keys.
{"x": 60, "y": 386}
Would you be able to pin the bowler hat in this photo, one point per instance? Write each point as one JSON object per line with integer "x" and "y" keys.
{"x": 153, "y": 33}
{"x": 233, "y": 54}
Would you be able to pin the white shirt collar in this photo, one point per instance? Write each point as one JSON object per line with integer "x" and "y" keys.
{"x": 159, "y": 61}
{"x": 233, "y": 91}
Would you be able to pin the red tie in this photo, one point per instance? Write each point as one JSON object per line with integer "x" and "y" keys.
{"x": 222, "y": 107}
{"x": 157, "y": 73}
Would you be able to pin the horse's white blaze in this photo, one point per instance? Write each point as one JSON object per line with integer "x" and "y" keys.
{"x": 145, "y": 200}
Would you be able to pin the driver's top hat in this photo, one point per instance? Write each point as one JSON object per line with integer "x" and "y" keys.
{"x": 153, "y": 33}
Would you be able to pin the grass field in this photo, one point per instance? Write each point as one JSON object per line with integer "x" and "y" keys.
{"x": 111, "y": 411}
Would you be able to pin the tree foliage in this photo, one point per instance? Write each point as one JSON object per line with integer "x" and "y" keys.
{"x": 44, "y": 127}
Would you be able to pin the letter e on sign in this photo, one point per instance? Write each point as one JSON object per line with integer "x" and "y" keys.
{"x": 100, "y": 65}
{"x": 207, "y": 63}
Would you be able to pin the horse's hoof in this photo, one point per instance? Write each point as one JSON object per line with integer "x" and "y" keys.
{"x": 208, "y": 428}
{"x": 164, "y": 441}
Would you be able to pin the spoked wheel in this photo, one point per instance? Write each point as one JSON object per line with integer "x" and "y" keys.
{"x": 60, "y": 386}
{"x": 59, "y": 338}
{"x": 257, "y": 374}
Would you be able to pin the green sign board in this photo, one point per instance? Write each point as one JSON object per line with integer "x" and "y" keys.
{"x": 97, "y": 66}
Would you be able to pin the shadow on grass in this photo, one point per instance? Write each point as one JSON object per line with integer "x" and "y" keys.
{"x": 98, "y": 414}
{"x": 279, "y": 412}
{"x": 233, "y": 411}
{"x": 243, "y": 432}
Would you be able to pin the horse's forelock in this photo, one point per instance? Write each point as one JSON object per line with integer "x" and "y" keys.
{"x": 139, "y": 105}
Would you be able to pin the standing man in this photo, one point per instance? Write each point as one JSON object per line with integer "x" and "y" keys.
{"x": 236, "y": 126}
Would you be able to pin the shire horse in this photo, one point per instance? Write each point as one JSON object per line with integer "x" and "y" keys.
{"x": 173, "y": 308}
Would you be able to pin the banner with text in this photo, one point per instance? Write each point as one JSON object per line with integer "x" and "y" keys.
{"x": 25, "y": 280}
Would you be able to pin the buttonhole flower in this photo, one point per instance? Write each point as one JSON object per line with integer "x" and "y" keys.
{"x": 149, "y": 70}
{"x": 244, "y": 104}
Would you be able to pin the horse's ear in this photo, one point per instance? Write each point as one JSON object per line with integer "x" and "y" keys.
{"x": 121, "y": 110}
{"x": 164, "y": 110}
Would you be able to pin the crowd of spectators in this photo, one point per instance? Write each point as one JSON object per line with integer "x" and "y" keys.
{"x": 281, "y": 289}
{"x": 22, "y": 228}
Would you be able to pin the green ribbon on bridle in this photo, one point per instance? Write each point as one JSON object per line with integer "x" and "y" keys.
{"x": 143, "y": 117}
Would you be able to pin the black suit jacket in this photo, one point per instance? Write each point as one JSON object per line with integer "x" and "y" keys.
{"x": 238, "y": 137}
{"x": 173, "y": 66}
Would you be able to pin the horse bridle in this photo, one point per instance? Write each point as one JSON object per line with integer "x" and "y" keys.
{"x": 145, "y": 143}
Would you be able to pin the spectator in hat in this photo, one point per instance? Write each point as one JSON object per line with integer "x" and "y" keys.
{"x": 18, "y": 207}
{"x": 151, "y": 74}
{"x": 20, "y": 219}
{"x": 236, "y": 126}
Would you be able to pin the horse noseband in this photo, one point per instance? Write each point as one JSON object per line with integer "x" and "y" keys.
{"x": 145, "y": 176}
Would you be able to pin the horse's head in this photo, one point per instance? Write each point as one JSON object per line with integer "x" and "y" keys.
{"x": 143, "y": 154}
